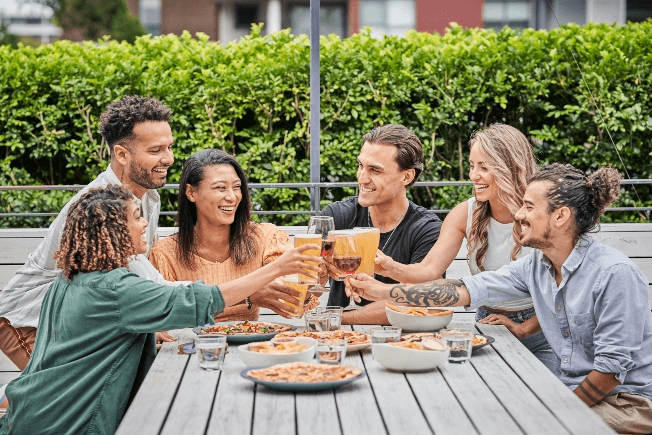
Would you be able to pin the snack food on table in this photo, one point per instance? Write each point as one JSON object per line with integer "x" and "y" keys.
{"x": 419, "y": 311}
{"x": 246, "y": 327}
{"x": 421, "y": 336}
{"x": 277, "y": 348}
{"x": 304, "y": 372}
{"x": 352, "y": 337}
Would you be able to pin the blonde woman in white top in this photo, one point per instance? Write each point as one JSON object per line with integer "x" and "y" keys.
{"x": 500, "y": 162}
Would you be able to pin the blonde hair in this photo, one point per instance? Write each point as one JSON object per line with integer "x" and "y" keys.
{"x": 511, "y": 161}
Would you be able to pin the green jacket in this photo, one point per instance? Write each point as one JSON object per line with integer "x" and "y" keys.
{"x": 94, "y": 346}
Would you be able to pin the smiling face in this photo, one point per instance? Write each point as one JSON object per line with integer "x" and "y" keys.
{"x": 484, "y": 182}
{"x": 535, "y": 217}
{"x": 146, "y": 160}
{"x": 217, "y": 196}
{"x": 380, "y": 179}
{"x": 137, "y": 225}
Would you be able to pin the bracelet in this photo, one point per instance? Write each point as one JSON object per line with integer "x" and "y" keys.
{"x": 248, "y": 301}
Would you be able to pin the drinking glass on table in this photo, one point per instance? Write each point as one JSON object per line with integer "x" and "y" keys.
{"x": 295, "y": 283}
{"x": 461, "y": 343}
{"x": 308, "y": 239}
{"x": 335, "y": 313}
{"x": 331, "y": 350}
{"x": 210, "y": 350}
{"x": 385, "y": 334}
{"x": 322, "y": 225}
{"x": 317, "y": 321}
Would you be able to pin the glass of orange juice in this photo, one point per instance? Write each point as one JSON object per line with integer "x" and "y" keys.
{"x": 295, "y": 283}
{"x": 308, "y": 239}
{"x": 368, "y": 239}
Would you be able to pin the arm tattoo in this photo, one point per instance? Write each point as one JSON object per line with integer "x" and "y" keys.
{"x": 439, "y": 293}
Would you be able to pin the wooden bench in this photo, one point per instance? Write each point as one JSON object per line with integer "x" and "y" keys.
{"x": 634, "y": 240}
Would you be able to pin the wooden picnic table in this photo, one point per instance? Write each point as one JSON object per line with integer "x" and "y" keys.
{"x": 503, "y": 389}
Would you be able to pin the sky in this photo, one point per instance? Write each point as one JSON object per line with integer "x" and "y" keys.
{"x": 23, "y": 8}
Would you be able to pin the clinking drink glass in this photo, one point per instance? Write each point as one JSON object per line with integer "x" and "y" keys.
{"x": 321, "y": 226}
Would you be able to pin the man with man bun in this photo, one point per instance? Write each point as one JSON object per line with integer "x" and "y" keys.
{"x": 591, "y": 300}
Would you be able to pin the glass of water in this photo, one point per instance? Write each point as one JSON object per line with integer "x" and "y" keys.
{"x": 318, "y": 321}
{"x": 461, "y": 343}
{"x": 385, "y": 334}
{"x": 210, "y": 351}
{"x": 331, "y": 351}
{"x": 335, "y": 313}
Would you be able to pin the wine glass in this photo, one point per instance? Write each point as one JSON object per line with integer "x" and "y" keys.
{"x": 322, "y": 225}
{"x": 347, "y": 257}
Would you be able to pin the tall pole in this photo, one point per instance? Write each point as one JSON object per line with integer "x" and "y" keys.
{"x": 315, "y": 127}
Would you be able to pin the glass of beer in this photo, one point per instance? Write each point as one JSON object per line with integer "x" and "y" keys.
{"x": 346, "y": 254}
{"x": 322, "y": 225}
{"x": 308, "y": 239}
{"x": 295, "y": 283}
{"x": 368, "y": 239}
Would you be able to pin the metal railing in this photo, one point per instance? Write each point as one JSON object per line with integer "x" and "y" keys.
{"x": 315, "y": 189}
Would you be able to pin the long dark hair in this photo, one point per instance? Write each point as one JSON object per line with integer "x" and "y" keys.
{"x": 242, "y": 243}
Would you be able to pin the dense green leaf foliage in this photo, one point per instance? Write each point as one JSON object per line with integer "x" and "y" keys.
{"x": 251, "y": 98}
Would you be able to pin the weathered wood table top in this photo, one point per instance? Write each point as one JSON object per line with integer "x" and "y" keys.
{"x": 503, "y": 389}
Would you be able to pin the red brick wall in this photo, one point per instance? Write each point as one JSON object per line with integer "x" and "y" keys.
{"x": 434, "y": 15}
{"x": 353, "y": 17}
{"x": 193, "y": 16}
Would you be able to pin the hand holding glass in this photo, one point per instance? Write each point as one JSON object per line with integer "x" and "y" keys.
{"x": 346, "y": 254}
{"x": 321, "y": 226}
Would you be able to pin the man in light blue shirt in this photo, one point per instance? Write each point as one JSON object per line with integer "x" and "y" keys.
{"x": 591, "y": 300}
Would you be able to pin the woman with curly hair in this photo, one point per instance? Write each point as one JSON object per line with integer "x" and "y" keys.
{"x": 217, "y": 242}
{"x": 500, "y": 161}
{"x": 95, "y": 341}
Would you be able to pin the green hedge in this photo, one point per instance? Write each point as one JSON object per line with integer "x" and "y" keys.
{"x": 251, "y": 98}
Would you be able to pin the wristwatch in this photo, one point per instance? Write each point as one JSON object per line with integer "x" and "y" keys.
{"x": 248, "y": 301}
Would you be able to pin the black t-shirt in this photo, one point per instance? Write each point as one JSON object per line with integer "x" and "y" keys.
{"x": 410, "y": 242}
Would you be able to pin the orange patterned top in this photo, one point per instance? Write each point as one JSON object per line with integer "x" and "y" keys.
{"x": 272, "y": 242}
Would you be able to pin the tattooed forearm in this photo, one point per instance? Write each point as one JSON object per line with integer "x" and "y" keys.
{"x": 595, "y": 387}
{"x": 439, "y": 293}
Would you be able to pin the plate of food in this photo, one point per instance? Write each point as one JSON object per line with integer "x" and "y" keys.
{"x": 301, "y": 376}
{"x": 411, "y": 356}
{"x": 244, "y": 331}
{"x": 355, "y": 340}
{"x": 267, "y": 353}
{"x": 479, "y": 340}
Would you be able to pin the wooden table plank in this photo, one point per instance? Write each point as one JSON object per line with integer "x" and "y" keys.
{"x": 274, "y": 412}
{"x": 150, "y": 406}
{"x": 234, "y": 401}
{"x": 356, "y": 403}
{"x": 317, "y": 414}
{"x": 572, "y": 413}
{"x": 521, "y": 403}
{"x": 397, "y": 404}
{"x": 193, "y": 402}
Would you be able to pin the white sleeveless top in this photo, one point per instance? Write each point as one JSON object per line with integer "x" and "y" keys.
{"x": 500, "y": 244}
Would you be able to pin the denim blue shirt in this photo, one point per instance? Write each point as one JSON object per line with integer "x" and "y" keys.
{"x": 598, "y": 318}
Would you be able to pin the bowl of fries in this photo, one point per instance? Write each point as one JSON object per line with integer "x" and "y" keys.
{"x": 406, "y": 356}
{"x": 267, "y": 353}
{"x": 418, "y": 319}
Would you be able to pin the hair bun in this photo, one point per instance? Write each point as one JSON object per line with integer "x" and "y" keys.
{"x": 604, "y": 187}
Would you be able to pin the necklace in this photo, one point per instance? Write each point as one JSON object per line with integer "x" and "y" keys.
{"x": 390, "y": 234}
{"x": 213, "y": 259}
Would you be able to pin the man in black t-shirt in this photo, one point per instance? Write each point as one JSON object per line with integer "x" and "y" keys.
{"x": 390, "y": 161}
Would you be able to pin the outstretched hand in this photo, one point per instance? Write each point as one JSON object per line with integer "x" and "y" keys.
{"x": 383, "y": 263}
{"x": 500, "y": 319}
{"x": 361, "y": 285}
{"x": 294, "y": 261}
{"x": 274, "y": 297}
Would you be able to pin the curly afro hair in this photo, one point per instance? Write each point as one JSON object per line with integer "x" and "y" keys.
{"x": 95, "y": 236}
{"x": 117, "y": 123}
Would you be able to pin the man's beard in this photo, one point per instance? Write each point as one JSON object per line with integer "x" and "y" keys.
{"x": 540, "y": 244}
{"x": 142, "y": 177}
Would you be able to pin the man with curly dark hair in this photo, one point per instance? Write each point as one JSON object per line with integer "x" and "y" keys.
{"x": 137, "y": 132}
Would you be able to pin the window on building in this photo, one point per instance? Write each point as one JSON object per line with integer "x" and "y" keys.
{"x": 517, "y": 14}
{"x": 245, "y": 15}
{"x": 149, "y": 13}
{"x": 332, "y": 19}
{"x": 388, "y": 17}
{"x": 639, "y": 10}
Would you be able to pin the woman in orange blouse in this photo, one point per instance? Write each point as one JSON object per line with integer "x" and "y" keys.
{"x": 217, "y": 242}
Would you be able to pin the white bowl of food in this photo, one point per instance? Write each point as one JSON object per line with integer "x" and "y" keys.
{"x": 267, "y": 353}
{"x": 418, "y": 319}
{"x": 411, "y": 356}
